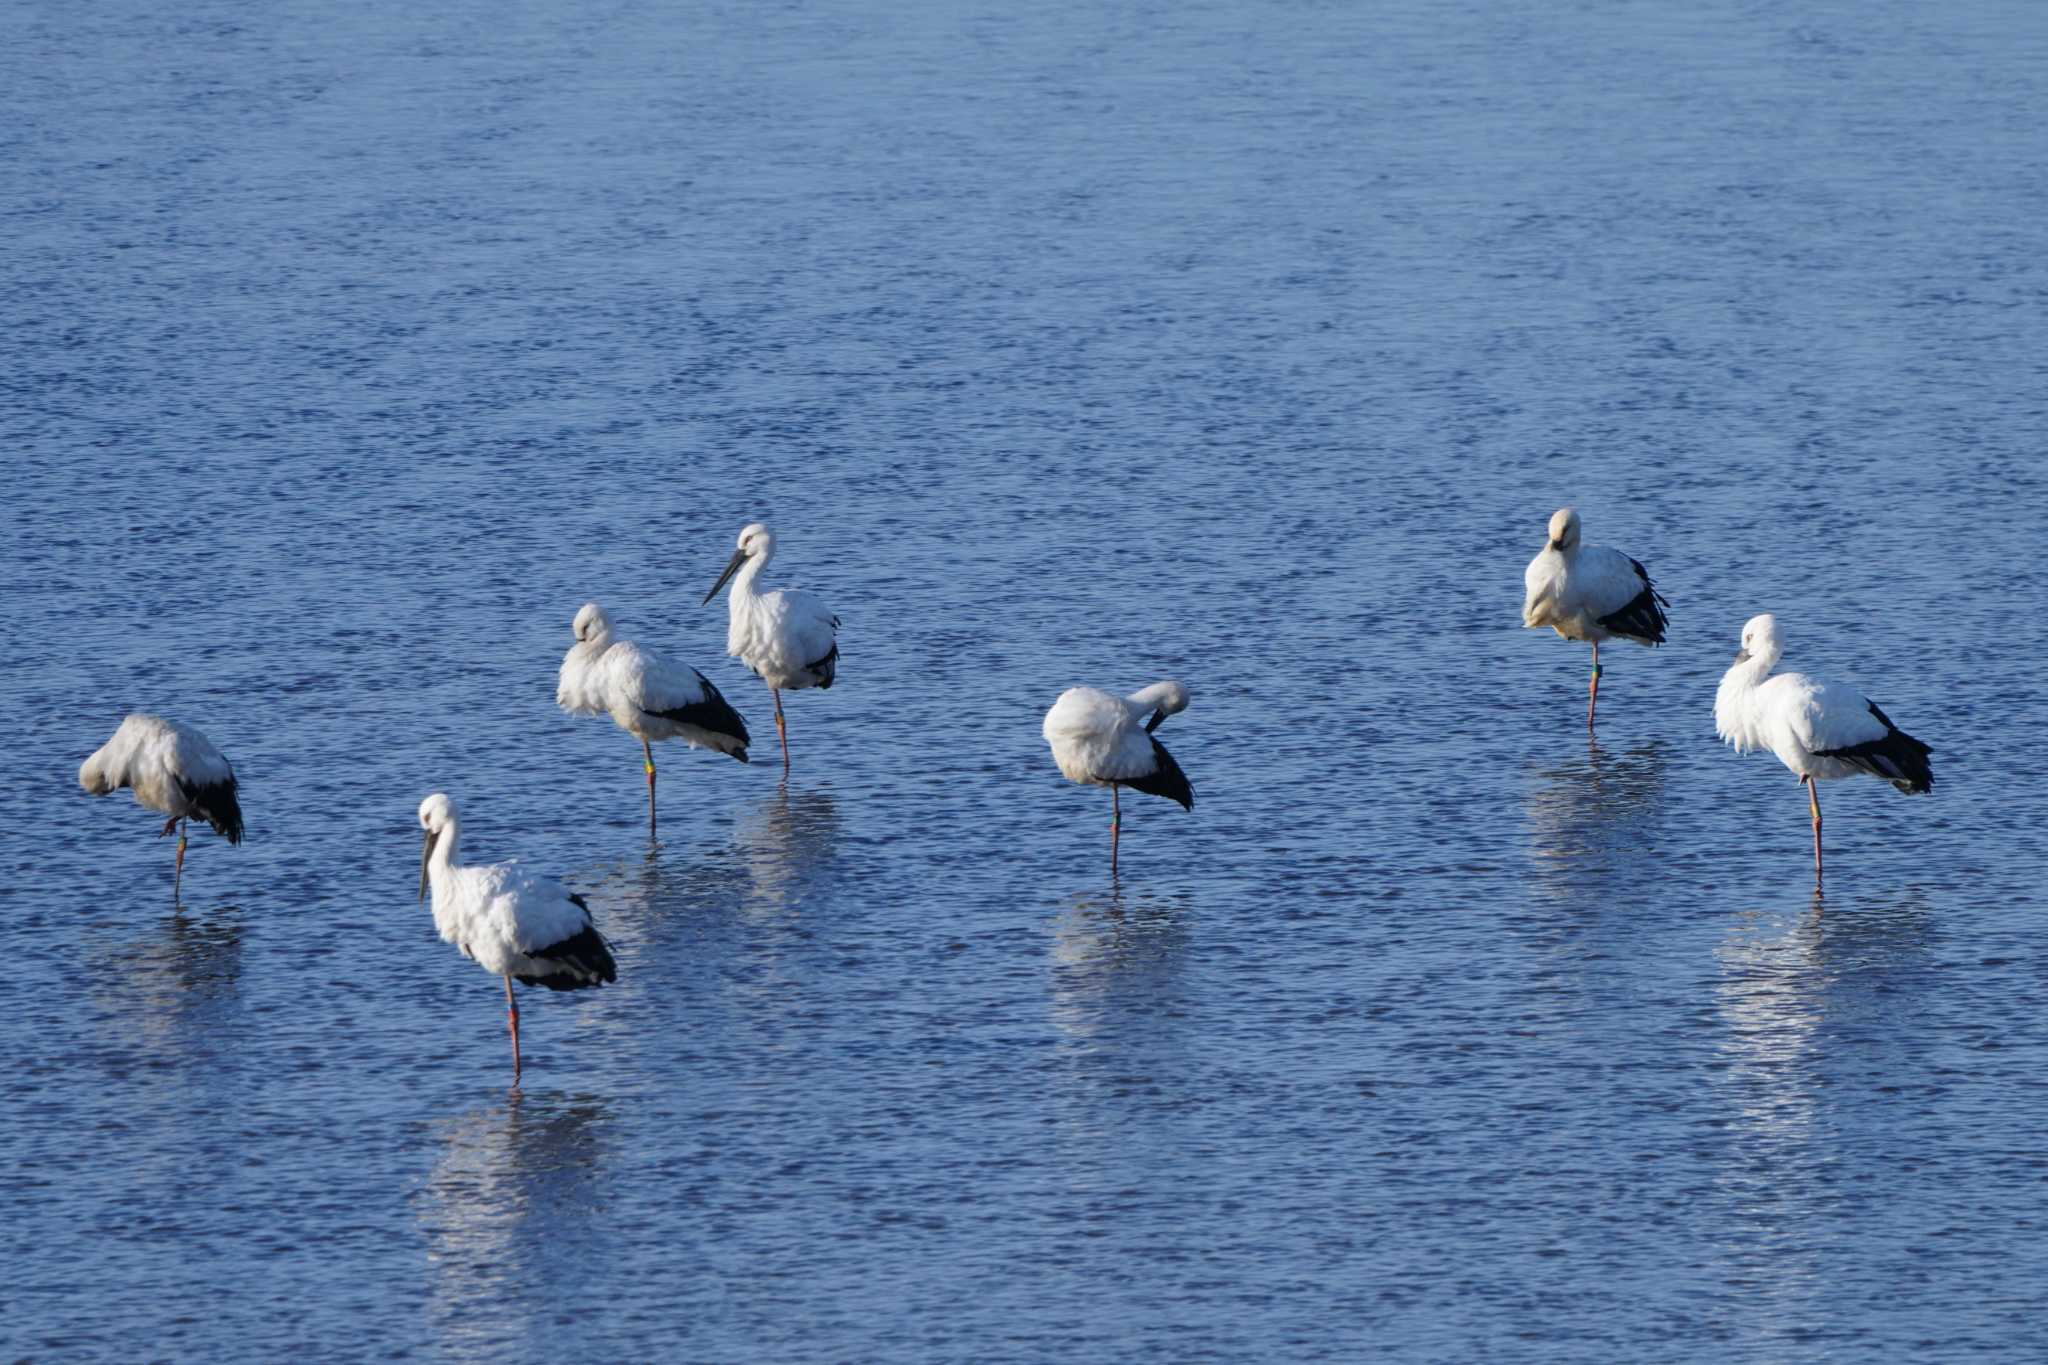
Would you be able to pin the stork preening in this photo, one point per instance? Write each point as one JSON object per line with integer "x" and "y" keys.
{"x": 513, "y": 923}
{"x": 173, "y": 769}
{"x": 1591, "y": 593}
{"x": 1104, "y": 740}
{"x": 1820, "y": 730}
{"x": 648, "y": 697}
{"x": 787, "y": 636}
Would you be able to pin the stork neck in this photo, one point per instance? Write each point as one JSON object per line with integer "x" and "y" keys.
{"x": 1752, "y": 671}
{"x": 443, "y": 857}
{"x": 743, "y": 581}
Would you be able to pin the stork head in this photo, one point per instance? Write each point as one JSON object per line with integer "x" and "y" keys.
{"x": 1760, "y": 639}
{"x": 756, "y": 541}
{"x": 1564, "y": 529}
{"x": 92, "y": 774}
{"x": 591, "y": 623}
{"x": 437, "y": 819}
{"x": 1162, "y": 699}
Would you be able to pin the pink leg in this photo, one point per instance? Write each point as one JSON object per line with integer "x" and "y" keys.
{"x": 512, "y": 1022}
{"x": 1813, "y": 800}
{"x": 781, "y": 731}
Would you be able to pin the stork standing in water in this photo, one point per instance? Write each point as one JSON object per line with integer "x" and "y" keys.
{"x": 646, "y": 695}
{"x": 172, "y": 768}
{"x": 1105, "y": 740}
{"x": 1592, "y": 593}
{"x": 1818, "y": 729}
{"x": 511, "y": 922}
{"x": 788, "y": 637}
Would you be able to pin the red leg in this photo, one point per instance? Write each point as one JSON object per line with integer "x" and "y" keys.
{"x": 781, "y": 730}
{"x": 1813, "y": 800}
{"x": 512, "y": 1022}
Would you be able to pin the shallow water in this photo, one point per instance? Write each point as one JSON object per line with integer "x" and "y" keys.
{"x": 1249, "y": 345}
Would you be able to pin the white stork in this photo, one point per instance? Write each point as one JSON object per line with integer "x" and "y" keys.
{"x": 172, "y": 768}
{"x": 646, "y": 695}
{"x": 511, "y": 922}
{"x": 1590, "y": 592}
{"x": 788, "y": 637}
{"x": 1820, "y": 730}
{"x": 1104, "y": 740}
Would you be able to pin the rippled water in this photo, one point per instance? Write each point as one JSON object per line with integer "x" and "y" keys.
{"x": 1247, "y": 344}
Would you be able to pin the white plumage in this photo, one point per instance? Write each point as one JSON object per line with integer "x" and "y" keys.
{"x": 787, "y": 636}
{"x": 513, "y": 923}
{"x": 647, "y": 696}
{"x": 1591, "y": 593}
{"x": 171, "y": 768}
{"x": 1820, "y": 730}
{"x": 1104, "y": 740}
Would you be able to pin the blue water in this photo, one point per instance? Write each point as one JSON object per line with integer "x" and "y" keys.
{"x": 351, "y": 348}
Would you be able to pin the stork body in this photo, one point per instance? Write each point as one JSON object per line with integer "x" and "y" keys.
{"x": 1103, "y": 740}
{"x": 172, "y": 769}
{"x": 647, "y": 696}
{"x": 787, "y": 636}
{"x": 1591, "y": 593}
{"x": 1820, "y": 730}
{"x": 513, "y": 923}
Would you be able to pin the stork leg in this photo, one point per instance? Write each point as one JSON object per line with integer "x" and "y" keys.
{"x": 1593, "y": 687}
{"x": 781, "y": 730}
{"x": 647, "y": 758}
{"x": 512, "y": 1022}
{"x": 178, "y": 874}
{"x": 1116, "y": 820}
{"x": 1813, "y": 802}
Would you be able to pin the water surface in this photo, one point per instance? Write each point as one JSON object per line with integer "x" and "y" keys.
{"x": 1245, "y": 344}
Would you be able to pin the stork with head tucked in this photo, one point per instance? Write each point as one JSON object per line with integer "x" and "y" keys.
{"x": 647, "y": 696}
{"x": 1592, "y": 593}
{"x": 1820, "y": 730}
{"x": 1104, "y": 740}
{"x": 787, "y": 636}
{"x": 513, "y": 923}
{"x": 174, "y": 769}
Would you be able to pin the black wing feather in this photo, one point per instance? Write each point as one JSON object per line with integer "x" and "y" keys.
{"x": 1643, "y": 618}
{"x": 580, "y": 960}
{"x": 1166, "y": 779}
{"x": 714, "y": 713}
{"x": 216, "y": 804}
{"x": 827, "y": 668}
{"x": 1895, "y": 756}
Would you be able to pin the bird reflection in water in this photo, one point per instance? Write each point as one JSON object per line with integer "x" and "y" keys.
{"x": 1808, "y": 1008}
{"x": 174, "y": 987}
{"x": 509, "y": 1214}
{"x": 1114, "y": 952}
{"x": 787, "y": 844}
{"x": 645, "y": 889}
{"x": 1591, "y": 822}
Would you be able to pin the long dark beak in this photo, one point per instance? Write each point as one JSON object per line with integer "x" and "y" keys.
{"x": 739, "y": 557}
{"x": 426, "y": 852}
{"x": 1154, "y": 723}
